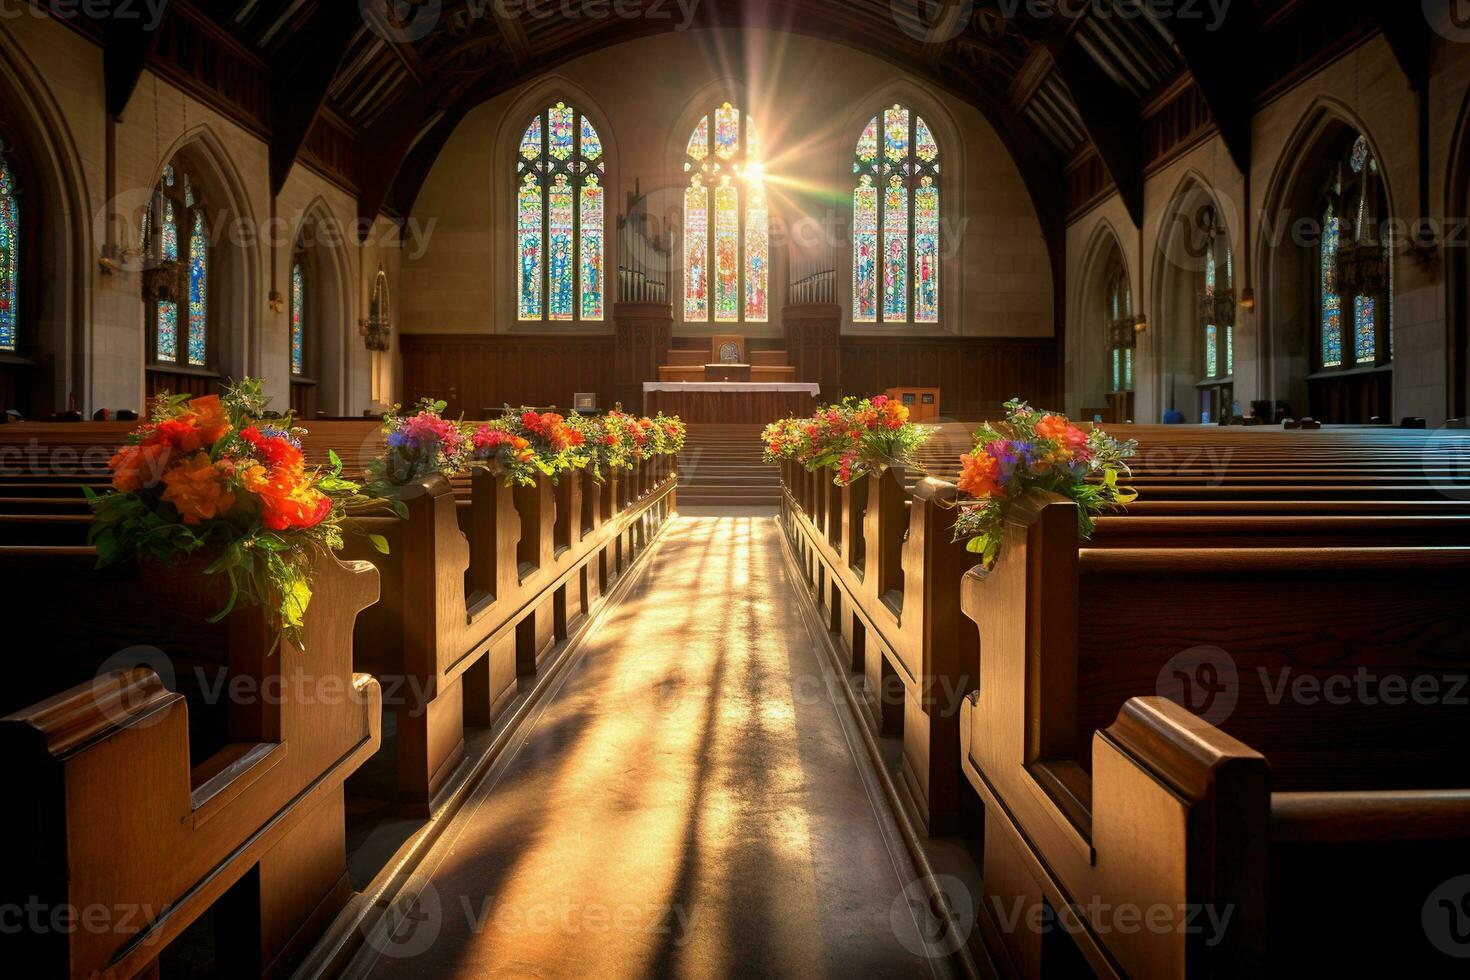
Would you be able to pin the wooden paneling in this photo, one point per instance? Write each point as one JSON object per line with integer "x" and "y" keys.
{"x": 745, "y": 407}
{"x": 976, "y": 375}
{"x": 473, "y": 373}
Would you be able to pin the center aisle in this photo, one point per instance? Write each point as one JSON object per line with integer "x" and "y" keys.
{"x": 691, "y": 801}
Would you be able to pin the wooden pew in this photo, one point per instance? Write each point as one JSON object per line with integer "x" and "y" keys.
{"x": 1096, "y": 788}
{"x": 885, "y": 572}
{"x": 140, "y": 807}
{"x": 480, "y": 587}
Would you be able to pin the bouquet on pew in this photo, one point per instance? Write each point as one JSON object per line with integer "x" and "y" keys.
{"x": 420, "y": 445}
{"x": 206, "y": 482}
{"x": 853, "y": 438}
{"x": 1037, "y": 451}
{"x": 669, "y": 433}
{"x": 524, "y": 444}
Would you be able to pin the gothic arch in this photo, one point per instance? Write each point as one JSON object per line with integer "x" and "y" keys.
{"x": 952, "y": 153}
{"x": 237, "y": 280}
{"x": 1285, "y": 276}
{"x": 321, "y": 239}
{"x": 1174, "y": 345}
{"x": 547, "y": 91}
{"x": 1457, "y": 270}
{"x": 1087, "y": 310}
{"x": 59, "y": 311}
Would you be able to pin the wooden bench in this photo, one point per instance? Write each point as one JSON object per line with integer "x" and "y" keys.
{"x": 1095, "y": 786}
{"x": 145, "y": 807}
{"x": 1269, "y": 516}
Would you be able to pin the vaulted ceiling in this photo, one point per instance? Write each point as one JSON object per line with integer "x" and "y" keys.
{"x": 1057, "y": 78}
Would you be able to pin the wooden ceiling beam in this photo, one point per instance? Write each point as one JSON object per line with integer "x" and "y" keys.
{"x": 1213, "y": 53}
{"x": 1406, "y": 30}
{"x": 301, "y": 77}
{"x": 130, "y": 42}
{"x": 1113, "y": 120}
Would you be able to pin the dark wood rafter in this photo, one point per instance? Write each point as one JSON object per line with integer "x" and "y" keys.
{"x": 130, "y": 41}
{"x": 1212, "y": 53}
{"x": 1112, "y": 118}
{"x": 301, "y": 76}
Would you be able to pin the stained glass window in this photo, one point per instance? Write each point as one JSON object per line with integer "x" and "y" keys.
{"x": 1357, "y": 328}
{"x": 168, "y": 331}
{"x": 896, "y": 220}
{"x": 1331, "y": 303}
{"x": 1119, "y": 315}
{"x": 9, "y": 259}
{"x": 175, "y": 230}
{"x": 726, "y": 222}
{"x": 561, "y": 218}
{"x": 298, "y": 319}
{"x": 198, "y": 292}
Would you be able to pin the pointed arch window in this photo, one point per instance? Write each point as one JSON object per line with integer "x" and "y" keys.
{"x": 299, "y": 325}
{"x": 1121, "y": 335}
{"x": 9, "y": 258}
{"x": 176, "y": 246}
{"x": 1217, "y": 309}
{"x": 726, "y": 222}
{"x": 561, "y": 217}
{"x": 895, "y": 220}
{"x": 1355, "y": 275}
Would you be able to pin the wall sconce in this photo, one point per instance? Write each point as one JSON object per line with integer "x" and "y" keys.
{"x": 1247, "y": 299}
{"x": 277, "y": 302}
{"x": 1140, "y": 325}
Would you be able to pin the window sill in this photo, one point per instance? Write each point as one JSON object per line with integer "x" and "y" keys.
{"x": 1228, "y": 379}
{"x": 303, "y": 380}
{"x": 1360, "y": 370}
{"x": 185, "y": 369}
{"x": 13, "y": 359}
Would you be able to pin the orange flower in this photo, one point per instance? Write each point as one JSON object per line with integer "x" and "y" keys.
{"x": 287, "y": 499}
{"x": 137, "y": 467}
{"x": 208, "y": 416}
{"x": 196, "y": 490}
{"x": 979, "y": 477}
{"x": 1059, "y": 428}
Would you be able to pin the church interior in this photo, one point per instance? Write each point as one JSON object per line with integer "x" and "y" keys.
{"x": 735, "y": 488}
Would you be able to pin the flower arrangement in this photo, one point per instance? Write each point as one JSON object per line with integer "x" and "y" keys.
{"x": 853, "y": 438}
{"x": 207, "y": 480}
{"x": 1031, "y": 451}
{"x": 669, "y": 433}
{"x": 419, "y": 445}
{"x": 520, "y": 445}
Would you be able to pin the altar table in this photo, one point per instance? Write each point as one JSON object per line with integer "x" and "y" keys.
{"x": 743, "y": 402}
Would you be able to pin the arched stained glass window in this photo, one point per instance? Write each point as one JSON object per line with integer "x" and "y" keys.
{"x": 9, "y": 258}
{"x": 298, "y": 318}
{"x": 1355, "y": 268}
{"x": 1120, "y": 332}
{"x": 177, "y": 250}
{"x": 895, "y": 220}
{"x": 1218, "y": 307}
{"x": 561, "y": 215}
{"x": 727, "y": 247}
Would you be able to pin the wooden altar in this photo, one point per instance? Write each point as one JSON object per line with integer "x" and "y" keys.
{"x": 730, "y": 401}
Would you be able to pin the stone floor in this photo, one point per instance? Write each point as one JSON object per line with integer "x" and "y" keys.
{"x": 690, "y": 801}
